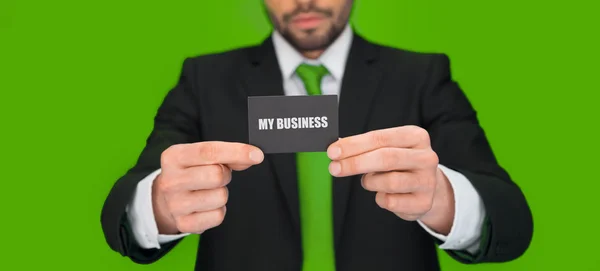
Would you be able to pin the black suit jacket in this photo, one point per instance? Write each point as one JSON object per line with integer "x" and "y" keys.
{"x": 382, "y": 87}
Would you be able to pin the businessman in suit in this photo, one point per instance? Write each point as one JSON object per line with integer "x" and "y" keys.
{"x": 412, "y": 170}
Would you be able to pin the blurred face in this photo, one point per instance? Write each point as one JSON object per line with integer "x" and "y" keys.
{"x": 309, "y": 25}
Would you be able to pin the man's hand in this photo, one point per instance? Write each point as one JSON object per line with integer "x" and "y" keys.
{"x": 190, "y": 194}
{"x": 399, "y": 164}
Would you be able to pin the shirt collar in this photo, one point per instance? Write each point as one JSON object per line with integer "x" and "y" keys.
{"x": 333, "y": 58}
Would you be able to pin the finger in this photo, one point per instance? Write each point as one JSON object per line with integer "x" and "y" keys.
{"x": 399, "y": 137}
{"x": 202, "y": 221}
{"x": 383, "y": 160}
{"x": 210, "y": 153}
{"x": 195, "y": 178}
{"x": 206, "y": 177}
{"x": 391, "y": 182}
{"x": 199, "y": 201}
{"x": 407, "y": 205}
{"x": 238, "y": 167}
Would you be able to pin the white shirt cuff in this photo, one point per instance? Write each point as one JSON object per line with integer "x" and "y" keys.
{"x": 141, "y": 216}
{"x": 469, "y": 216}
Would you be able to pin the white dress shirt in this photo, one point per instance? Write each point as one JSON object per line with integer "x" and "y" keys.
{"x": 469, "y": 215}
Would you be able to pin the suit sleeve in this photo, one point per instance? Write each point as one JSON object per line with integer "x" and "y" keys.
{"x": 461, "y": 145}
{"x": 175, "y": 122}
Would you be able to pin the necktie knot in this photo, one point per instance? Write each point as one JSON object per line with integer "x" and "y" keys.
{"x": 311, "y": 76}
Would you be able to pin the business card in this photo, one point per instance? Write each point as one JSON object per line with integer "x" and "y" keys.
{"x": 289, "y": 124}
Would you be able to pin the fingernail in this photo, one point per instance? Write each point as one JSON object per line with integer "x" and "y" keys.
{"x": 256, "y": 156}
{"x": 335, "y": 168}
{"x": 334, "y": 152}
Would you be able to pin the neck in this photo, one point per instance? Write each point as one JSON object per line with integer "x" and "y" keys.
{"x": 312, "y": 54}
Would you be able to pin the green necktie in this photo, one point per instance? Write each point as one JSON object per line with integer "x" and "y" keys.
{"x": 315, "y": 191}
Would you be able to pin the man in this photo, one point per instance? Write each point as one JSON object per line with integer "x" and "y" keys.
{"x": 412, "y": 169}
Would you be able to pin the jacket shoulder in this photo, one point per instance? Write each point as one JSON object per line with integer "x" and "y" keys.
{"x": 216, "y": 61}
{"x": 401, "y": 57}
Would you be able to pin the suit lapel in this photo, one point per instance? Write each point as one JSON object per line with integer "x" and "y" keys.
{"x": 262, "y": 77}
{"x": 360, "y": 83}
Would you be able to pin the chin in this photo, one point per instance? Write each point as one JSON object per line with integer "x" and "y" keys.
{"x": 310, "y": 41}
{"x": 310, "y": 44}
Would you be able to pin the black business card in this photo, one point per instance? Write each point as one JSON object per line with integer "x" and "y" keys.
{"x": 288, "y": 124}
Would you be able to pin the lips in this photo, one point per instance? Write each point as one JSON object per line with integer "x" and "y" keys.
{"x": 307, "y": 21}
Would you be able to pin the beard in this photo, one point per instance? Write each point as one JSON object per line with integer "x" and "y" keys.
{"x": 310, "y": 40}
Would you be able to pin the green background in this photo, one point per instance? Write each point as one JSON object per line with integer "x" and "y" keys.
{"x": 80, "y": 82}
